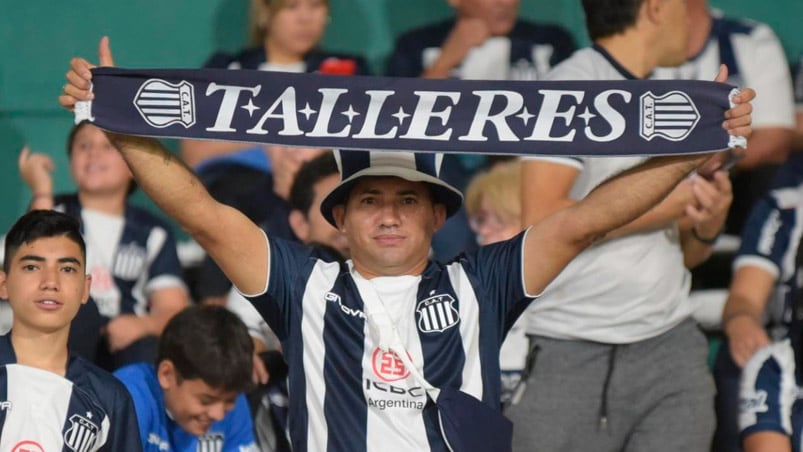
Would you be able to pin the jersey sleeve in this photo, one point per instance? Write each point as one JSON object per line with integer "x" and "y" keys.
{"x": 240, "y": 429}
{"x": 768, "y": 391}
{"x": 771, "y": 236}
{"x": 496, "y": 271}
{"x": 164, "y": 270}
{"x": 289, "y": 267}
{"x": 124, "y": 434}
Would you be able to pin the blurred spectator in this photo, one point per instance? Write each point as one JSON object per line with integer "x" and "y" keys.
{"x": 484, "y": 40}
{"x": 767, "y": 271}
{"x": 131, "y": 253}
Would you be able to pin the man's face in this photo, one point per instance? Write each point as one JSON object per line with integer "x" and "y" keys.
{"x": 673, "y": 33}
{"x": 389, "y": 224}
{"x": 46, "y": 284}
{"x": 312, "y": 227}
{"x": 499, "y": 15}
{"x": 193, "y": 404}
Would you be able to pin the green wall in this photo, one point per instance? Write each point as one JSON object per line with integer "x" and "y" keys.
{"x": 39, "y": 37}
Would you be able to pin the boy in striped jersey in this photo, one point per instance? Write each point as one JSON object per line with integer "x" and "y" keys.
{"x": 50, "y": 400}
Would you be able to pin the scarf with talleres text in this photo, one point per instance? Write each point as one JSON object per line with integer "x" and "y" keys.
{"x": 559, "y": 118}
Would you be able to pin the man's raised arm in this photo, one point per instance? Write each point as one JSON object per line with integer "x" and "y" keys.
{"x": 233, "y": 241}
{"x": 556, "y": 240}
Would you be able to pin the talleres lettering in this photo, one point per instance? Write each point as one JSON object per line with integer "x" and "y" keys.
{"x": 429, "y": 117}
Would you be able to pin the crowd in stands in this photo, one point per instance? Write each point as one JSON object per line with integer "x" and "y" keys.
{"x": 299, "y": 328}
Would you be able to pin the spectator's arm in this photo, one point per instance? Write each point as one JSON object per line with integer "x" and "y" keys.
{"x": 748, "y": 295}
{"x": 767, "y": 442}
{"x": 467, "y": 32}
{"x": 126, "y": 329}
{"x": 767, "y": 145}
{"x": 36, "y": 170}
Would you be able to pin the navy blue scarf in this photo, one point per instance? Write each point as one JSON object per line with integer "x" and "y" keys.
{"x": 578, "y": 118}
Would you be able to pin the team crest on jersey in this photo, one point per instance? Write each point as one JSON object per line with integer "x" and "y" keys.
{"x": 162, "y": 104}
{"x": 211, "y": 442}
{"x": 130, "y": 261}
{"x": 388, "y": 366}
{"x": 81, "y": 435}
{"x": 672, "y": 116}
{"x": 437, "y": 313}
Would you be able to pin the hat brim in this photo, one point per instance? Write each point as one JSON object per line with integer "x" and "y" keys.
{"x": 444, "y": 193}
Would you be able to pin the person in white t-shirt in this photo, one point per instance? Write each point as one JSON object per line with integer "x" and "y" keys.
{"x": 620, "y": 363}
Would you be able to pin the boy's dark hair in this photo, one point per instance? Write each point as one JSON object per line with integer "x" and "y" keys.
{"x": 610, "y": 17}
{"x": 132, "y": 185}
{"x": 302, "y": 193}
{"x": 210, "y": 343}
{"x": 41, "y": 224}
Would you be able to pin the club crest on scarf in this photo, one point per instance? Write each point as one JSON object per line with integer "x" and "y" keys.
{"x": 672, "y": 116}
{"x": 162, "y": 104}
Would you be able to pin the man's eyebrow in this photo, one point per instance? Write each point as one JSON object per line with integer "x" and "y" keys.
{"x": 70, "y": 260}
{"x": 370, "y": 191}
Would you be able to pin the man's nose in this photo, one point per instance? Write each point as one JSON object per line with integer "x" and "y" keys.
{"x": 390, "y": 214}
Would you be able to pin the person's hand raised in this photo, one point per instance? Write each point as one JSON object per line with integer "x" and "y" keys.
{"x": 79, "y": 77}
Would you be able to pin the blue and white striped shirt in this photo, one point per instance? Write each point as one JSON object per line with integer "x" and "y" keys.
{"x": 346, "y": 393}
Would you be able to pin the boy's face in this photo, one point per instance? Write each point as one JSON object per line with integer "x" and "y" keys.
{"x": 46, "y": 284}
{"x": 193, "y": 404}
{"x": 95, "y": 165}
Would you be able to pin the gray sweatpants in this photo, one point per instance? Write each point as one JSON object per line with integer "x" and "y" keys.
{"x": 658, "y": 396}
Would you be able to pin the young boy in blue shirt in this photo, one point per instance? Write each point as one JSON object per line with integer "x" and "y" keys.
{"x": 192, "y": 399}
